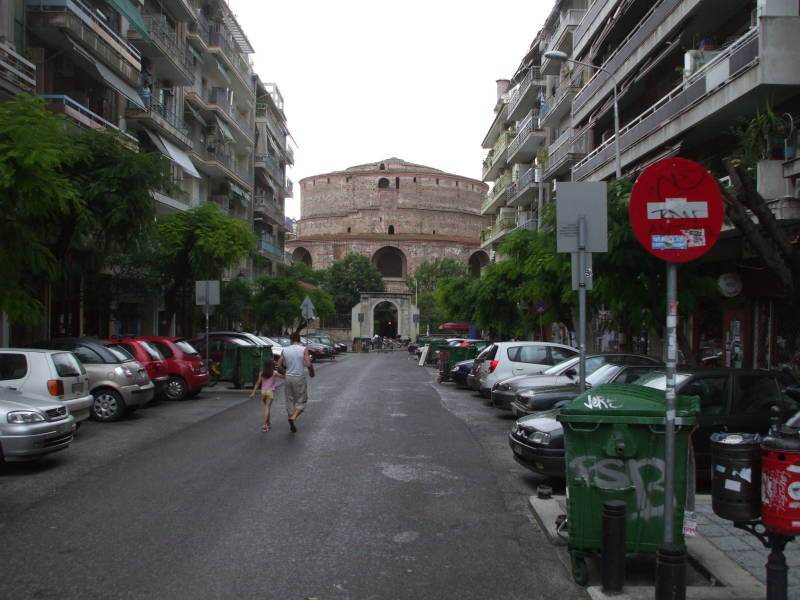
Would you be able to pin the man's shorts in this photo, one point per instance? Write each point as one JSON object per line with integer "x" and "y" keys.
{"x": 296, "y": 392}
{"x": 267, "y": 395}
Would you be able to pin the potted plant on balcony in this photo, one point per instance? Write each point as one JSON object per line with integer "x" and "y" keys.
{"x": 761, "y": 137}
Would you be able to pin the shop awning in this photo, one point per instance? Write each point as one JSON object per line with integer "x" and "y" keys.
{"x": 226, "y": 133}
{"x": 175, "y": 154}
{"x": 128, "y": 10}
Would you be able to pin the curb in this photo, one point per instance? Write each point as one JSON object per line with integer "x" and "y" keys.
{"x": 729, "y": 580}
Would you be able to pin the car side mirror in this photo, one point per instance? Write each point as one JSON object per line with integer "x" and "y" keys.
{"x": 571, "y": 373}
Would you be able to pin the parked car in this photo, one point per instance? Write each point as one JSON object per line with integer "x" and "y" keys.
{"x": 187, "y": 372}
{"x": 504, "y": 359}
{"x": 324, "y": 339}
{"x": 117, "y": 381}
{"x": 461, "y": 371}
{"x": 316, "y": 350}
{"x": 31, "y": 426}
{"x": 150, "y": 358}
{"x": 564, "y": 373}
{"x": 734, "y": 400}
{"x": 47, "y": 375}
{"x": 536, "y": 399}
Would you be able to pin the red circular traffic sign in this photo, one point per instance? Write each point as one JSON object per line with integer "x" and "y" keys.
{"x": 676, "y": 210}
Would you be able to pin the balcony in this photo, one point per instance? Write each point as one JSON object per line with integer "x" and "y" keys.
{"x": 266, "y": 207}
{"x": 633, "y": 43}
{"x": 560, "y": 104}
{"x": 716, "y": 86}
{"x": 220, "y": 42}
{"x": 217, "y": 99}
{"x": 216, "y": 162}
{"x": 161, "y": 118}
{"x": 289, "y": 187}
{"x": 528, "y": 91}
{"x": 272, "y": 167}
{"x": 269, "y": 247}
{"x": 562, "y": 38}
{"x": 64, "y": 105}
{"x": 498, "y": 125}
{"x": 501, "y": 227}
{"x": 170, "y": 58}
{"x": 530, "y": 137}
{"x": 594, "y": 18}
{"x": 53, "y": 19}
{"x": 570, "y": 147}
{"x": 497, "y": 195}
{"x": 524, "y": 192}
{"x": 496, "y": 158}
{"x": 17, "y": 75}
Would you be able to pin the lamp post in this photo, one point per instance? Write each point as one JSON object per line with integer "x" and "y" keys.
{"x": 562, "y": 56}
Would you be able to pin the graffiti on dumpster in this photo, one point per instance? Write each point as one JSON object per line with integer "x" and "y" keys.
{"x": 602, "y": 402}
{"x": 645, "y": 476}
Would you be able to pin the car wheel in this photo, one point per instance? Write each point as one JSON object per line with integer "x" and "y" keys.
{"x": 176, "y": 388}
{"x": 108, "y": 405}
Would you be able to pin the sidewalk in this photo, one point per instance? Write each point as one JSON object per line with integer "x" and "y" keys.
{"x": 724, "y": 562}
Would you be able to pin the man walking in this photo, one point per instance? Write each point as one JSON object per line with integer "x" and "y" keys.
{"x": 295, "y": 359}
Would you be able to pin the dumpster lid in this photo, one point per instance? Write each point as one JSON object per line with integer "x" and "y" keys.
{"x": 612, "y": 400}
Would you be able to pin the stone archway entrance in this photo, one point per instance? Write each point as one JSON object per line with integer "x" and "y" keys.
{"x": 376, "y": 310}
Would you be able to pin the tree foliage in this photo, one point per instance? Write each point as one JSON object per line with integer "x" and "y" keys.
{"x": 35, "y": 149}
{"x": 276, "y": 303}
{"x": 347, "y": 278}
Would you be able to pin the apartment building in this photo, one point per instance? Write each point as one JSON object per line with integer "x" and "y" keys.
{"x": 173, "y": 76}
{"x": 685, "y": 72}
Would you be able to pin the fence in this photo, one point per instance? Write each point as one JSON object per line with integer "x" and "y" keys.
{"x": 336, "y": 321}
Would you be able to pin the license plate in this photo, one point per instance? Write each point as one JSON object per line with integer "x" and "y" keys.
{"x": 77, "y": 387}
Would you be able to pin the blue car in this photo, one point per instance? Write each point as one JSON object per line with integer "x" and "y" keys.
{"x": 459, "y": 372}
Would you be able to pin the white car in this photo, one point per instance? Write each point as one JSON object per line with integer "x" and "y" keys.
{"x": 48, "y": 375}
{"x": 502, "y": 360}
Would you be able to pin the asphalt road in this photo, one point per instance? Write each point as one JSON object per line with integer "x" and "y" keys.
{"x": 393, "y": 488}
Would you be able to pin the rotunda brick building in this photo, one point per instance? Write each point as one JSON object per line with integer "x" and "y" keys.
{"x": 398, "y": 214}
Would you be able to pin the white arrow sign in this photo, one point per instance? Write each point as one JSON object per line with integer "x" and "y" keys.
{"x": 307, "y": 308}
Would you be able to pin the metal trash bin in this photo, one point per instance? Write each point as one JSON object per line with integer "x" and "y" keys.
{"x": 241, "y": 364}
{"x": 614, "y": 449}
{"x": 736, "y": 476}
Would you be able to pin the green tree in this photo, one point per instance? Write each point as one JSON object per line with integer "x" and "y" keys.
{"x": 35, "y": 149}
{"x": 276, "y": 303}
{"x": 197, "y": 244}
{"x": 300, "y": 271}
{"x": 427, "y": 274}
{"x": 235, "y": 303}
{"x": 348, "y": 277}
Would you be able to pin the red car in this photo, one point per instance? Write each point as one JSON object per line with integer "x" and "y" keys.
{"x": 150, "y": 358}
{"x": 187, "y": 371}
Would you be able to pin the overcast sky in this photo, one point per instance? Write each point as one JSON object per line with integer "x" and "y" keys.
{"x": 364, "y": 81}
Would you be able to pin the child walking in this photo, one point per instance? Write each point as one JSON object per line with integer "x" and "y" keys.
{"x": 266, "y": 382}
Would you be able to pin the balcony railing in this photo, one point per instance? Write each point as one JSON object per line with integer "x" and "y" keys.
{"x": 272, "y": 167}
{"x": 268, "y": 206}
{"x": 268, "y": 246}
{"x": 498, "y": 191}
{"x": 82, "y": 23}
{"x": 167, "y": 39}
{"x": 569, "y": 146}
{"x": 568, "y": 87}
{"x": 497, "y": 151}
{"x": 533, "y": 74}
{"x": 216, "y": 153}
{"x": 742, "y": 53}
{"x": 18, "y": 73}
{"x": 59, "y": 103}
{"x": 153, "y": 107}
{"x": 624, "y": 50}
{"x": 218, "y": 36}
{"x": 570, "y": 20}
{"x": 500, "y": 226}
{"x": 528, "y": 126}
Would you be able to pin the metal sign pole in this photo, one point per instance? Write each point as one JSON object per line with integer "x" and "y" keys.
{"x": 208, "y": 310}
{"x": 669, "y": 434}
{"x": 582, "y": 303}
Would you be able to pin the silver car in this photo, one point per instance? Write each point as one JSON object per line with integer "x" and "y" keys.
{"x": 31, "y": 427}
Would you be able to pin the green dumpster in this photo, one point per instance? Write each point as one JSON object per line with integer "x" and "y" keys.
{"x": 433, "y": 347}
{"x": 455, "y": 354}
{"x": 241, "y": 364}
{"x": 614, "y": 450}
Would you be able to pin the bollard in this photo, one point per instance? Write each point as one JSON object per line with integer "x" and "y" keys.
{"x": 612, "y": 553}
{"x": 671, "y": 572}
{"x": 777, "y": 571}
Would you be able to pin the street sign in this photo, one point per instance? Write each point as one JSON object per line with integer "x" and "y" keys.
{"x": 576, "y": 200}
{"x": 307, "y": 308}
{"x": 539, "y": 306}
{"x": 676, "y": 210}
{"x": 206, "y": 293}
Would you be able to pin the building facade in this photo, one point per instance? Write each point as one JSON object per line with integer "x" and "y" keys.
{"x": 685, "y": 72}
{"x": 398, "y": 214}
{"x": 176, "y": 77}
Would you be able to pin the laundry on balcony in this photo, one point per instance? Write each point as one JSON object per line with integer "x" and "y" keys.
{"x": 172, "y": 152}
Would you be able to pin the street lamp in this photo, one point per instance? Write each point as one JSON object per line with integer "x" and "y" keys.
{"x": 562, "y": 57}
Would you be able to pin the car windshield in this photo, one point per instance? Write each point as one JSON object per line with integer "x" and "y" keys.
{"x": 559, "y": 368}
{"x": 602, "y": 375}
{"x": 186, "y": 347}
{"x": 239, "y": 342}
{"x": 119, "y": 352}
{"x": 67, "y": 365}
{"x": 283, "y": 341}
{"x": 152, "y": 351}
{"x": 658, "y": 380}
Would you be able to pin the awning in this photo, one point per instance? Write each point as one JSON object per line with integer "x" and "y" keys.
{"x": 175, "y": 154}
{"x": 244, "y": 197}
{"x": 106, "y": 75}
{"x": 194, "y": 112}
{"x": 221, "y": 68}
{"x": 128, "y": 10}
{"x": 194, "y": 53}
{"x": 226, "y": 133}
